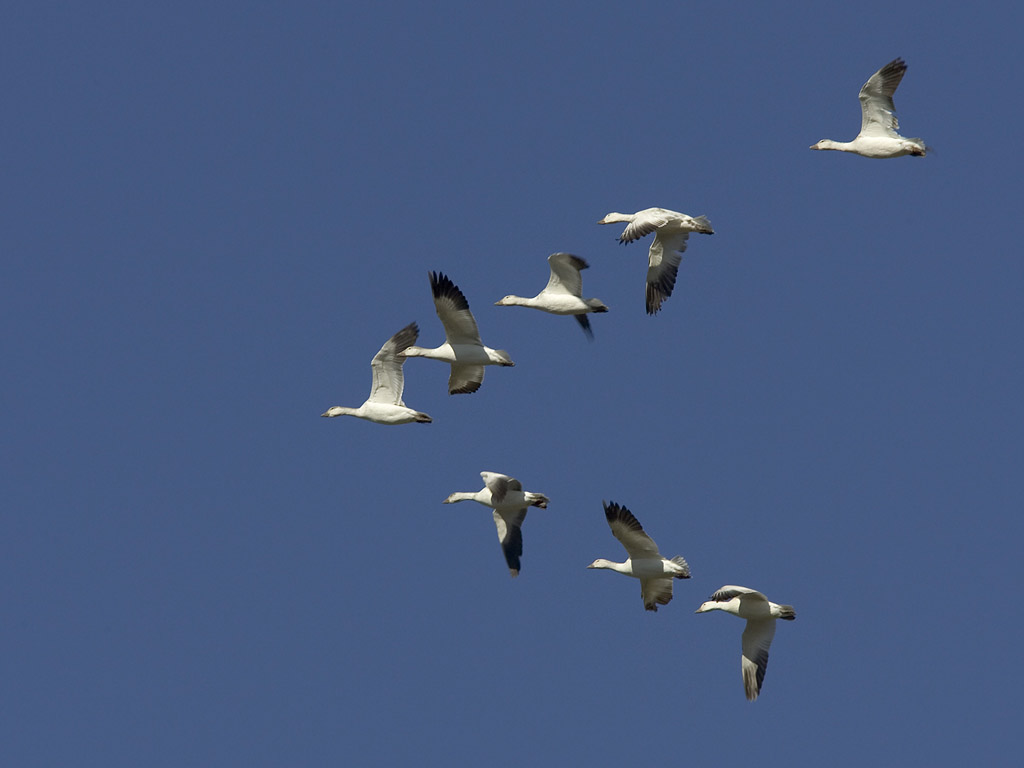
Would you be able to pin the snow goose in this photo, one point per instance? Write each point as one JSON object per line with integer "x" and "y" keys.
{"x": 760, "y": 614}
{"x": 878, "y": 136}
{"x": 462, "y": 346}
{"x": 505, "y": 495}
{"x": 645, "y": 562}
{"x": 671, "y": 231}
{"x": 563, "y": 294}
{"x": 385, "y": 406}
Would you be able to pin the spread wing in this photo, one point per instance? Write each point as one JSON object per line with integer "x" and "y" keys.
{"x": 757, "y": 639}
{"x": 655, "y": 592}
{"x": 453, "y": 309}
{"x": 878, "y": 113}
{"x": 644, "y": 222}
{"x": 664, "y": 258}
{"x": 510, "y": 535}
{"x": 388, "y": 379}
{"x": 565, "y": 274}
{"x": 629, "y": 532}
{"x": 465, "y": 379}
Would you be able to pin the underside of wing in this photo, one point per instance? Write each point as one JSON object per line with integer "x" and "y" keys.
{"x": 657, "y": 591}
{"x": 510, "y": 535}
{"x": 663, "y": 265}
{"x": 629, "y": 532}
{"x": 388, "y": 379}
{"x": 565, "y": 274}
{"x": 465, "y": 379}
{"x": 878, "y": 112}
{"x": 757, "y": 639}
{"x": 453, "y": 310}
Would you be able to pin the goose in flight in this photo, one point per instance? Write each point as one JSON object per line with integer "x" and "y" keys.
{"x": 505, "y": 495}
{"x": 462, "y": 346}
{"x": 385, "y": 406}
{"x": 671, "y": 231}
{"x": 878, "y": 136}
{"x": 563, "y": 294}
{"x": 760, "y": 614}
{"x": 645, "y": 562}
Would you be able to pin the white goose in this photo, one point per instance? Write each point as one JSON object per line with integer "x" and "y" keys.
{"x": 760, "y": 614}
{"x": 878, "y": 136}
{"x": 505, "y": 495}
{"x": 462, "y": 346}
{"x": 563, "y": 294}
{"x": 645, "y": 562}
{"x": 385, "y": 406}
{"x": 671, "y": 231}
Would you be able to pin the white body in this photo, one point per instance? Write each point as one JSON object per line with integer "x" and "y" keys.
{"x": 878, "y": 137}
{"x": 645, "y": 562}
{"x": 505, "y": 495}
{"x": 760, "y": 614}
{"x": 462, "y": 347}
{"x": 385, "y": 406}
{"x": 563, "y": 294}
{"x": 671, "y": 231}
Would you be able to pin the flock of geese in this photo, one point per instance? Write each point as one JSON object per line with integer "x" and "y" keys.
{"x": 468, "y": 356}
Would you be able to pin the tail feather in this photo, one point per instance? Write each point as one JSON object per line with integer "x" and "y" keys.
{"x": 703, "y": 225}
{"x": 786, "y": 612}
{"x": 685, "y": 573}
{"x": 538, "y": 500}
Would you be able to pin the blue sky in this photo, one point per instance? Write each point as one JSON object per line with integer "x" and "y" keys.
{"x": 213, "y": 215}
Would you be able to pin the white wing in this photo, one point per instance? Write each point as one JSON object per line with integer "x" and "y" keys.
{"x": 877, "y": 108}
{"x": 499, "y": 484}
{"x": 565, "y": 274}
{"x": 453, "y": 309}
{"x": 627, "y": 529}
{"x": 388, "y": 379}
{"x": 644, "y": 222}
{"x": 757, "y": 639}
{"x": 664, "y": 258}
{"x": 730, "y": 591}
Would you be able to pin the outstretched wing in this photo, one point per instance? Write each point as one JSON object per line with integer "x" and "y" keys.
{"x": 510, "y": 535}
{"x": 656, "y": 591}
{"x": 757, "y": 639}
{"x": 664, "y": 258}
{"x": 878, "y": 113}
{"x": 565, "y": 274}
{"x": 388, "y": 379}
{"x": 629, "y": 532}
{"x": 453, "y": 309}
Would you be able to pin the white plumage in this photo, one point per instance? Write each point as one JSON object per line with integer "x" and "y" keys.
{"x": 671, "y": 231}
{"x": 878, "y": 135}
{"x": 760, "y": 614}
{"x": 645, "y": 562}
{"x": 384, "y": 405}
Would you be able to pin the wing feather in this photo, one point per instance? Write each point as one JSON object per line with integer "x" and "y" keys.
{"x": 388, "y": 379}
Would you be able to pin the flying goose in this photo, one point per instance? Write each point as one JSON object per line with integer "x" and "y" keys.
{"x": 878, "y": 136}
{"x": 645, "y": 562}
{"x": 671, "y": 231}
{"x": 385, "y": 406}
{"x": 462, "y": 346}
{"x": 563, "y": 294}
{"x": 760, "y": 614}
{"x": 505, "y": 495}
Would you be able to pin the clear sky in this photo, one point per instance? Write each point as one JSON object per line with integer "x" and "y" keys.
{"x": 213, "y": 215}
